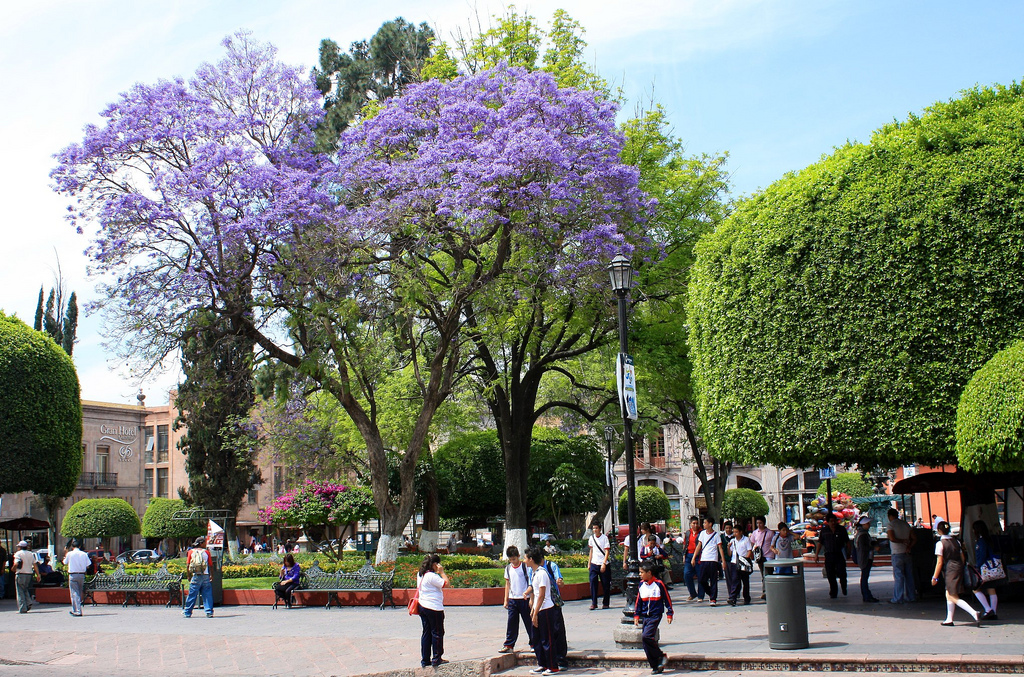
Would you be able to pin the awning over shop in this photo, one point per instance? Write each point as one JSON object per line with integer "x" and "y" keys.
{"x": 25, "y": 524}
{"x": 935, "y": 482}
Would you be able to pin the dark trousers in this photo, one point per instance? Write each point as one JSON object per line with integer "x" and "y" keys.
{"x": 545, "y": 639}
{"x": 605, "y": 578}
{"x": 561, "y": 646}
{"x": 284, "y": 590}
{"x": 692, "y": 580}
{"x": 650, "y": 640}
{"x": 709, "y": 578}
{"x": 738, "y": 581}
{"x": 865, "y": 592}
{"x": 432, "y": 637}
{"x": 835, "y": 568}
{"x": 518, "y": 609}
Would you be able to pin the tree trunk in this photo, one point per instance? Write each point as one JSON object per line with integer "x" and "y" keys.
{"x": 431, "y": 531}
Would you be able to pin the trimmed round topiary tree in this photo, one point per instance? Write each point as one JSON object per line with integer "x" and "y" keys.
{"x": 743, "y": 504}
{"x": 990, "y": 418}
{"x": 41, "y": 423}
{"x": 157, "y": 521}
{"x": 850, "y": 483}
{"x": 651, "y": 505}
{"x": 837, "y": 315}
{"x": 100, "y": 518}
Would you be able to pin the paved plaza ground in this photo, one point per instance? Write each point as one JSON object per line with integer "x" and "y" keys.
{"x": 153, "y": 640}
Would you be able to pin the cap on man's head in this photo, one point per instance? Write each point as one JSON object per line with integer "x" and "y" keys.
{"x": 23, "y": 544}
{"x": 864, "y": 519}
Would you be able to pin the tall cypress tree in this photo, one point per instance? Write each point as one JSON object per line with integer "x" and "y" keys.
{"x": 69, "y": 330}
{"x": 218, "y": 391}
{"x": 38, "y": 324}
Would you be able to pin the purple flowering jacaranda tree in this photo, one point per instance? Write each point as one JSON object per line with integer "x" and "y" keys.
{"x": 371, "y": 257}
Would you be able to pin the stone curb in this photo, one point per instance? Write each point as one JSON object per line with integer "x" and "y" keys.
{"x": 949, "y": 663}
{"x": 480, "y": 668}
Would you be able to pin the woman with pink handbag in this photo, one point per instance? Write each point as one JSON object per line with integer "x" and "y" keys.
{"x": 430, "y": 581}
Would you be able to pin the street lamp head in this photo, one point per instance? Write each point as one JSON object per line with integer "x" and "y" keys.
{"x": 621, "y": 273}
{"x": 609, "y": 433}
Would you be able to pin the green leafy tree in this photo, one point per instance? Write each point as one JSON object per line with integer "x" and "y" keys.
{"x": 852, "y": 484}
{"x": 743, "y": 504}
{"x": 158, "y": 522}
{"x": 100, "y": 518}
{"x": 369, "y": 73}
{"x": 41, "y": 424}
{"x": 837, "y": 316}
{"x": 470, "y": 473}
{"x": 572, "y": 493}
{"x": 216, "y": 396}
{"x": 652, "y": 505}
{"x": 990, "y": 415}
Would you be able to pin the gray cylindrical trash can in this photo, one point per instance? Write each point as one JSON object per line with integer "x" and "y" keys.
{"x": 787, "y": 604}
{"x": 216, "y": 576}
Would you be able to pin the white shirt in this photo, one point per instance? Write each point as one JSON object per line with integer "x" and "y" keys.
{"x": 541, "y": 581}
{"x": 901, "y": 530}
{"x": 740, "y": 547}
{"x": 516, "y": 577}
{"x": 431, "y": 595}
{"x": 598, "y": 556}
{"x": 708, "y": 543}
{"x": 27, "y": 559}
{"x": 76, "y": 561}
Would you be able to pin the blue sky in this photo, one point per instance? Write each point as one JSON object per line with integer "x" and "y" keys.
{"x": 776, "y": 84}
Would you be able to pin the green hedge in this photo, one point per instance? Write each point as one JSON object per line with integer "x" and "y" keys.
{"x": 837, "y": 315}
{"x": 743, "y": 504}
{"x": 41, "y": 420}
{"x": 157, "y": 522}
{"x": 100, "y": 518}
{"x": 990, "y": 418}
{"x": 651, "y": 505}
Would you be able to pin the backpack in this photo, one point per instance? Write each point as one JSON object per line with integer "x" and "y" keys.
{"x": 556, "y": 597}
{"x": 196, "y": 562}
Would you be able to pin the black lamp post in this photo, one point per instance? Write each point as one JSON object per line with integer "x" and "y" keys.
{"x": 622, "y": 279}
{"x": 609, "y": 435}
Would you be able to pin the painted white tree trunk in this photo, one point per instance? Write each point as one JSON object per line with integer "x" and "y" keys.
{"x": 428, "y": 540}
{"x": 387, "y": 548}
{"x": 516, "y": 537}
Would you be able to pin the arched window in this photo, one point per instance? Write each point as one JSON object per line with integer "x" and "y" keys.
{"x": 747, "y": 483}
{"x": 792, "y": 484}
{"x": 671, "y": 489}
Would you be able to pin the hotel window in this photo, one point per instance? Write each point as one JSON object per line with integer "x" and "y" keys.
{"x": 278, "y": 481}
{"x": 149, "y": 483}
{"x": 102, "y": 460}
{"x": 161, "y": 444}
{"x": 150, "y": 444}
{"x": 161, "y": 482}
{"x": 658, "y": 450}
{"x": 253, "y": 497}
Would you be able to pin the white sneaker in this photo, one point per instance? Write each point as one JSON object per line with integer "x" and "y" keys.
{"x": 538, "y": 671}
{"x": 549, "y": 671}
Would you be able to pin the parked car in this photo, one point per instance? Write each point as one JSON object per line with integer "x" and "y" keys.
{"x": 799, "y": 528}
{"x": 145, "y": 556}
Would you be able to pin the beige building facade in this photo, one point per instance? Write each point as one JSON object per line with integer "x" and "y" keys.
{"x": 112, "y": 467}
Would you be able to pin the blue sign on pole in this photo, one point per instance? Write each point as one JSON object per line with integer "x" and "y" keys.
{"x": 828, "y": 473}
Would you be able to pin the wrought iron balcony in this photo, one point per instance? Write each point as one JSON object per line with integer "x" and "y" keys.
{"x": 92, "y": 480}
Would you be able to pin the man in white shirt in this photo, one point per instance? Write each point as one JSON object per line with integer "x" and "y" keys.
{"x": 711, "y": 559}
{"x": 541, "y": 613}
{"x": 901, "y": 541}
{"x": 515, "y": 600}
{"x": 77, "y": 562}
{"x": 598, "y": 545}
{"x": 26, "y": 569}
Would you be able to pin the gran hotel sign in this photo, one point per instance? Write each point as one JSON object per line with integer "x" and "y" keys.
{"x": 120, "y": 436}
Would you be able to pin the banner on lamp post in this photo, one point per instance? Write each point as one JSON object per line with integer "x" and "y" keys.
{"x": 214, "y": 536}
{"x": 626, "y": 377}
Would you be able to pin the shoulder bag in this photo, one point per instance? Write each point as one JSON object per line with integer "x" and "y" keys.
{"x": 414, "y": 603}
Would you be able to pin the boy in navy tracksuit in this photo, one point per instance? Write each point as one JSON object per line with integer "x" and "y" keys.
{"x": 652, "y": 601}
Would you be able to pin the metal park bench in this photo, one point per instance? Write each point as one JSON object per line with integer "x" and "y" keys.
{"x": 365, "y": 579}
{"x": 132, "y": 584}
